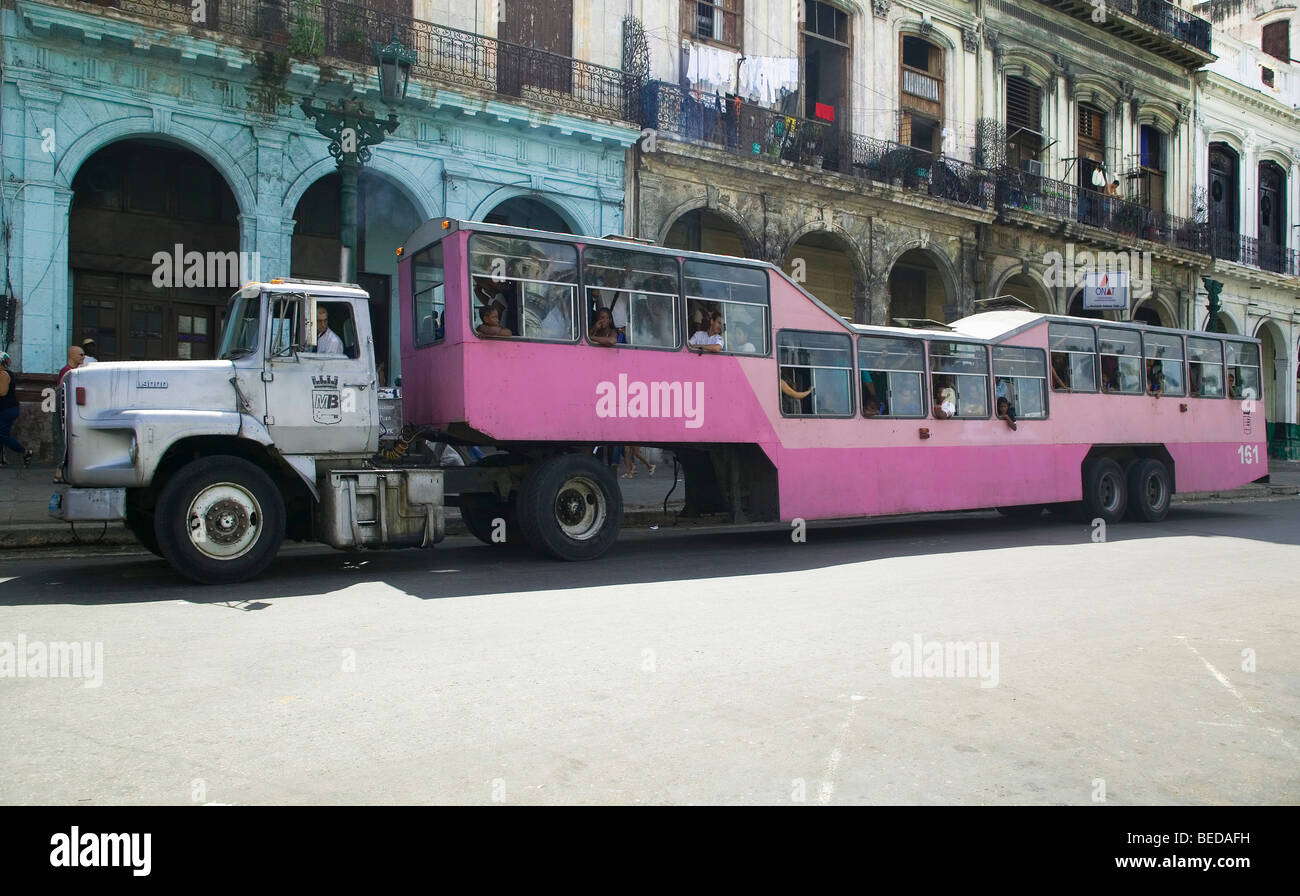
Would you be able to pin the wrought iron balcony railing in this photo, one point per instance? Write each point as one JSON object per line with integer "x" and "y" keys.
{"x": 341, "y": 31}
{"x": 1247, "y": 250}
{"x": 1021, "y": 191}
{"x": 1169, "y": 19}
{"x": 761, "y": 134}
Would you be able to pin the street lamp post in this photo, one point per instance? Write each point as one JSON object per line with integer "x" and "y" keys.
{"x": 352, "y": 129}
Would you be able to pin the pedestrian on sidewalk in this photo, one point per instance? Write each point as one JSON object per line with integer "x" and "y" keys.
{"x": 9, "y": 411}
{"x": 631, "y": 454}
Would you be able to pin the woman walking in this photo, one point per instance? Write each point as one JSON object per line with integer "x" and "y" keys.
{"x": 9, "y": 410}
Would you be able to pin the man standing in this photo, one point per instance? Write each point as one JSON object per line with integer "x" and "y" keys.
{"x": 89, "y": 348}
{"x": 327, "y": 341}
{"x": 75, "y": 358}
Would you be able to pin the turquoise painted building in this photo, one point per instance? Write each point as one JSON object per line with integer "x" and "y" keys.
{"x": 131, "y": 130}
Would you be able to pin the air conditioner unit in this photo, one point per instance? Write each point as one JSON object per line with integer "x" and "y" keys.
{"x": 1031, "y": 166}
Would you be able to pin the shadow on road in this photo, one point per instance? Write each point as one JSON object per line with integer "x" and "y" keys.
{"x": 463, "y": 567}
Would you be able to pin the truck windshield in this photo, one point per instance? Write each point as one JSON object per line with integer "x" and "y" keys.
{"x": 241, "y": 334}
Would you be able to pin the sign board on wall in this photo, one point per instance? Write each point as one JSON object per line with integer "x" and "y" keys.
{"x": 1105, "y": 290}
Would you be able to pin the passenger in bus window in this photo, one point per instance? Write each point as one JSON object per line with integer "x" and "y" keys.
{"x": 946, "y": 406}
{"x": 1060, "y": 371}
{"x": 1194, "y": 380}
{"x": 710, "y": 341}
{"x": 1109, "y": 373}
{"x": 906, "y": 400}
{"x": 501, "y": 294}
{"x": 1005, "y": 413}
{"x": 555, "y": 306}
{"x": 739, "y": 339}
{"x": 792, "y": 399}
{"x": 1234, "y": 390}
{"x": 491, "y": 325}
{"x": 602, "y": 330}
{"x": 1155, "y": 378}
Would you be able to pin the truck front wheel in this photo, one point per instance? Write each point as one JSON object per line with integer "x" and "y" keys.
{"x": 219, "y": 520}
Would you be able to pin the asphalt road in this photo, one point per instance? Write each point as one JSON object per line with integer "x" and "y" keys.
{"x": 1159, "y": 666}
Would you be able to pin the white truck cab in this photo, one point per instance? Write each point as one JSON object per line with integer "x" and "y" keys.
{"x": 212, "y": 463}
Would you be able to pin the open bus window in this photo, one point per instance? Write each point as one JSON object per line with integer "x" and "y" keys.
{"x": 1204, "y": 367}
{"x": 815, "y": 371}
{"x": 1243, "y": 370}
{"x": 639, "y": 289}
{"x": 1074, "y": 357}
{"x": 891, "y": 371}
{"x": 1121, "y": 361}
{"x": 738, "y": 293}
{"x": 532, "y": 283}
{"x": 962, "y": 368}
{"x": 1020, "y": 376}
{"x": 427, "y": 295}
{"x": 1164, "y": 353}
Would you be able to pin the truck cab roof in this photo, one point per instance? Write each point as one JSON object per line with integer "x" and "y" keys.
{"x": 298, "y": 284}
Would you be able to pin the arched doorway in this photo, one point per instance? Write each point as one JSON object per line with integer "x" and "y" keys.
{"x": 525, "y": 211}
{"x": 1224, "y": 206}
{"x": 1149, "y": 313}
{"x": 1273, "y": 371}
{"x": 1076, "y": 309}
{"x": 820, "y": 263}
{"x": 1028, "y": 290}
{"x": 316, "y": 249}
{"x": 916, "y": 288}
{"x": 704, "y": 230}
{"x": 153, "y": 248}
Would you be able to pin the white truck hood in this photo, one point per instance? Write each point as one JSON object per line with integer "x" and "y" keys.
{"x": 163, "y": 385}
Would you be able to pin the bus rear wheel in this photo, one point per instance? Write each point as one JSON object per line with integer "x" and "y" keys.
{"x": 1149, "y": 492}
{"x": 570, "y": 507}
{"x": 1105, "y": 490}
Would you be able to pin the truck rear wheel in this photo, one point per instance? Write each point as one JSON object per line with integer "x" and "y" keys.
{"x": 1149, "y": 492}
{"x": 480, "y": 511}
{"x": 570, "y": 507}
{"x": 219, "y": 520}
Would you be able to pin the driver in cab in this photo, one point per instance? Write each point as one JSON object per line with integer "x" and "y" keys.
{"x": 327, "y": 341}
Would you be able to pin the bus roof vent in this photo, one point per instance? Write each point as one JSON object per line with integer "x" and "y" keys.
{"x": 628, "y": 239}
{"x": 1001, "y": 303}
{"x": 921, "y": 323}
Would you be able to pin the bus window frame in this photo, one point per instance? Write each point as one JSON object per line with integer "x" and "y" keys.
{"x": 473, "y": 307}
{"x": 1182, "y": 346}
{"x": 1257, "y": 367}
{"x": 1222, "y": 365}
{"x": 439, "y": 246}
{"x": 988, "y": 377}
{"x": 1096, "y": 361}
{"x": 1046, "y": 380}
{"x": 923, "y": 374}
{"x": 852, "y": 370}
{"x": 679, "y": 305}
{"x": 769, "y": 334}
{"x": 1141, "y": 356}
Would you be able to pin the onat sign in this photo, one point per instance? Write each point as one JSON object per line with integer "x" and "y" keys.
{"x": 1105, "y": 290}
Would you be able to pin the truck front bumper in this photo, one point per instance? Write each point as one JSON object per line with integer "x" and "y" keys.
{"x": 73, "y": 505}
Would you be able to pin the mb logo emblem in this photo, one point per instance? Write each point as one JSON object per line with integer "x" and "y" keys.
{"x": 325, "y": 399}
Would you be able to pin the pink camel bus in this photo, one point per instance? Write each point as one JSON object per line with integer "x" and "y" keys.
{"x": 779, "y": 409}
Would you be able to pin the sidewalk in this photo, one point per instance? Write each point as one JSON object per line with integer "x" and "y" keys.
{"x": 25, "y": 496}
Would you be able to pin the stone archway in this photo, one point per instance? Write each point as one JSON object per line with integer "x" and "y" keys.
{"x": 153, "y": 251}
{"x": 824, "y": 263}
{"x": 1274, "y": 369}
{"x": 1029, "y": 289}
{"x": 530, "y": 212}
{"x": 921, "y": 286}
{"x": 704, "y": 229}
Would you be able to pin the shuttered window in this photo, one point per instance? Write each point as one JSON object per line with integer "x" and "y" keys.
{"x": 1276, "y": 40}
{"x": 1024, "y": 105}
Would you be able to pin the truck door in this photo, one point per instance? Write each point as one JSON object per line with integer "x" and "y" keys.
{"x": 320, "y": 399}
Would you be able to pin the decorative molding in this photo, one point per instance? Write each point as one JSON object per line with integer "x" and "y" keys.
{"x": 970, "y": 39}
{"x": 880, "y": 8}
{"x": 994, "y": 40}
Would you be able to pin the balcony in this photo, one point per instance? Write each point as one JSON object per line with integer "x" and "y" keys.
{"x": 760, "y": 135}
{"x": 1020, "y": 192}
{"x": 1161, "y": 27}
{"x": 1247, "y": 250}
{"x": 332, "y": 31}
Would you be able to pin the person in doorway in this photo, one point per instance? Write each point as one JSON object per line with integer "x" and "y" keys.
{"x": 9, "y": 411}
{"x": 327, "y": 341}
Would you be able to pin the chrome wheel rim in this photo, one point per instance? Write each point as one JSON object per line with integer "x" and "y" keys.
{"x": 224, "y": 521}
{"x": 580, "y": 508}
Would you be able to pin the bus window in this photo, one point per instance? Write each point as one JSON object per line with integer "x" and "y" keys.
{"x": 738, "y": 293}
{"x": 1243, "y": 370}
{"x": 815, "y": 370}
{"x": 1121, "y": 361}
{"x": 1074, "y": 357}
{"x": 639, "y": 289}
{"x": 964, "y": 368}
{"x": 1020, "y": 376}
{"x": 891, "y": 371}
{"x": 1164, "y": 353}
{"x": 1204, "y": 367}
{"x": 532, "y": 282}
{"x": 427, "y": 294}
